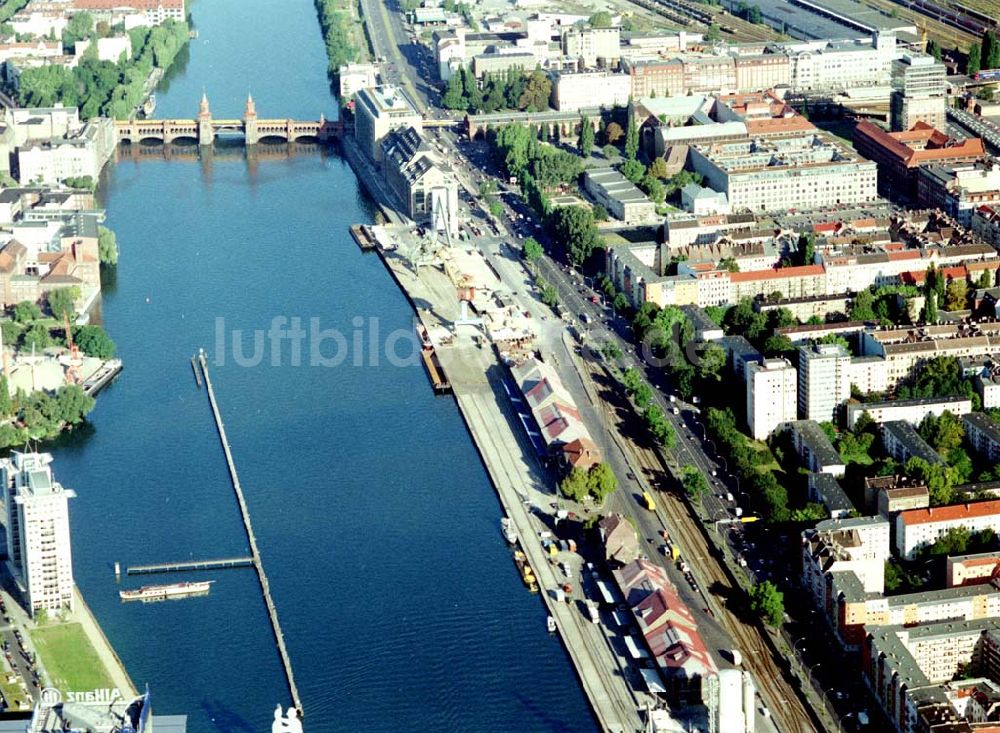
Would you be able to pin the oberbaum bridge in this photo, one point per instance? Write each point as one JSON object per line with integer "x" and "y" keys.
{"x": 204, "y": 129}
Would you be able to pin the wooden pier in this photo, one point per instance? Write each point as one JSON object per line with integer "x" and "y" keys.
{"x": 272, "y": 611}
{"x": 177, "y": 567}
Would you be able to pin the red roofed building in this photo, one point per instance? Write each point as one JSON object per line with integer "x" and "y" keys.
{"x": 899, "y": 155}
{"x": 157, "y": 11}
{"x": 668, "y": 627}
{"x": 918, "y": 528}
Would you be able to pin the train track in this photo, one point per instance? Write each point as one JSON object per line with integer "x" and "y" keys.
{"x": 949, "y": 34}
{"x": 782, "y": 698}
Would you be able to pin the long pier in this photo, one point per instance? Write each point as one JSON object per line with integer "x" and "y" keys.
{"x": 272, "y": 611}
{"x": 176, "y": 567}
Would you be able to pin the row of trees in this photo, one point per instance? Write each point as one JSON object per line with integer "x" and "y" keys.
{"x": 642, "y": 395}
{"x": 769, "y": 495}
{"x": 335, "y": 24}
{"x": 511, "y": 90}
{"x": 102, "y": 87}
{"x": 984, "y": 56}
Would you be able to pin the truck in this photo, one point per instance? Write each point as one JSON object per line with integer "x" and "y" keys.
{"x": 648, "y": 500}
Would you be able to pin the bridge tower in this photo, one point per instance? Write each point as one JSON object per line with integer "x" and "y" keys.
{"x": 250, "y": 122}
{"x": 206, "y": 134}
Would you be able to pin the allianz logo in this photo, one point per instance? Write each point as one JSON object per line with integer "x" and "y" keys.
{"x": 52, "y": 696}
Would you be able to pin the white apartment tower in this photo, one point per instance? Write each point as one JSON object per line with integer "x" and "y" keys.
{"x": 38, "y": 540}
{"x": 824, "y": 380}
{"x": 772, "y": 396}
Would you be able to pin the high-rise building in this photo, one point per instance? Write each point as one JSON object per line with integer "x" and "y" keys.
{"x": 824, "y": 380}
{"x": 771, "y": 396}
{"x": 379, "y": 111}
{"x": 919, "y": 92}
{"x": 38, "y": 540}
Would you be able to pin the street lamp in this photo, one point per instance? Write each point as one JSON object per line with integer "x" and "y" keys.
{"x": 812, "y": 671}
{"x": 845, "y": 716}
{"x": 795, "y": 646}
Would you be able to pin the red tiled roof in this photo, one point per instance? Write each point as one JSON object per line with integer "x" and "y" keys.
{"x": 938, "y": 146}
{"x": 951, "y": 513}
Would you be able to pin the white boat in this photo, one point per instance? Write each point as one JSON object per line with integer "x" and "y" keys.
{"x": 551, "y": 624}
{"x": 165, "y": 592}
{"x": 509, "y": 532}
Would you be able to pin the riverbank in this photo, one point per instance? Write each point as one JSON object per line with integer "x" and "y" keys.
{"x": 523, "y": 486}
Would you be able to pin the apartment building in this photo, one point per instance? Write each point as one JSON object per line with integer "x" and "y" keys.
{"x": 958, "y": 189}
{"x": 38, "y": 539}
{"x": 919, "y": 528}
{"x": 618, "y": 195}
{"x": 379, "y": 111}
{"x": 355, "y": 77}
{"x": 825, "y": 489}
{"x": 906, "y": 667}
{"x": 972, "y": 569}
{"x": 859, "y": 545}
{"x": 81, "y": 152}
{"x": 902, "y": 441}
{"x": 815, "y": 449}
{"x": 911, "y": 411}
{"x": 985, "y": 222}
{"x": 772, "y": 396}
{"x": 426, "y": 185}
{"x": 803, "y": 171}
{"x": 824, "y": 380}
{"x": 841, "y": 65}
{"x": 983, "y": 435}
{"x": 155, "y": 11}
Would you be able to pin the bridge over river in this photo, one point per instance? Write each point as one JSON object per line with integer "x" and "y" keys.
{"x": 204, "y": 128}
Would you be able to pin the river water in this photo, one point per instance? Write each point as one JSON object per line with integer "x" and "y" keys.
{"x": 377, "y": 523}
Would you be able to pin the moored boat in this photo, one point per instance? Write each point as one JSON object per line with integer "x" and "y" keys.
{"x": 509, "y": 530}
{"x": 551, "y": 624}
{"x": 165, "y": 592}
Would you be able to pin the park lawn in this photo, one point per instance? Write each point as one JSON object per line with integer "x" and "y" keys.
{"x": 68, "y": 657}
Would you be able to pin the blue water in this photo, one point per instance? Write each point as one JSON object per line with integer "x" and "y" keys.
{"x": 376, "y": 521}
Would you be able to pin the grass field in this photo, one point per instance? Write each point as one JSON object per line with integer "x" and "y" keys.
{"x": 70, "y": 660}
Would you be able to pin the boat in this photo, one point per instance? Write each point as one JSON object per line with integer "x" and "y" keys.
{"x": 551, "y": 624}
{"x": 508, "y": 529}
{"x": 102, "y": 377}
{"x": 527, "y": 574}
{"x": 164, "y": 592}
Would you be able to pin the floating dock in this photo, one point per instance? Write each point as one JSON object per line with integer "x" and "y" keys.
{"x": 102, "y": 377}
{"x": 177, "y": 567}
{"x": 265, "y": 587}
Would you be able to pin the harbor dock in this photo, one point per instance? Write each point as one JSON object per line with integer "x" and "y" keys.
{"x": 521, "y": 485}
{"x": 363, "y": 237}
{"x": 176, "y": 567}
{"x": 265, "y": 587}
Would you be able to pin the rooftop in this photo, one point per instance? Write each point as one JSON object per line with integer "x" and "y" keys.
{"x": 907, "y": 436}
{"x": 951, "y": 513}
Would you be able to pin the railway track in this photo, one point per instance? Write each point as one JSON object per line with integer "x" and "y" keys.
{"x": 949, "y": 35}
{"x": 721, "y": 595}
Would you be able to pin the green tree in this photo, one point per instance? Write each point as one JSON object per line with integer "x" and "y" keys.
{"x": 631, "y": 135}
{"x": 573, "y": 226}
{"x": 36, "y": 337}
{"x": 107, "y": 246}
{"x": 956, "y": 295}
{"x": 933, "y": 49}
{"x": 454, "y": 97}
{"x": 658, "y": 168}
{"x": 974, "y": 63}
{"x": 694, "y": 482}
{"x": 654, "y": 188}
{"x": 893, "y": 576}
{"x": 62, "y": 302}
{"x": 929, "y": 312}
{"x": 73, "y": 403}
{"x": 609, "y": 151}
{"x": 575, "y": 485}
{"x": 990, "y": 51}
{"x": 944, "y": 433}
{"x": 862, "y": 307}
{"x": 939, "y": 479}
{"x": 600, "y": 19}
{"x": 601, "y": 481}
{"x": 600, "y": 213}
{"x": 711, "y": 361}
{"x": 548, "y": 293}
{"x": 94, "y": 341}
{"x": 531, "y": 249}
{"x": 537, "y": 91}
{"x": 633, "y": 170}
{"x": 768, "y": 602}
{"x": 26, "y": 311}
{"x": 714, "y": 33}
{"x": 586, "y": 142}
{"x": 955, "y": 541}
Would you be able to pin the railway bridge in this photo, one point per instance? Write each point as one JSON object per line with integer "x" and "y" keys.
{"x": 204, "y": 128}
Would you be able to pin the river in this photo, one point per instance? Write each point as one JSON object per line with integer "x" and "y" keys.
{"x": 377, "y": 523}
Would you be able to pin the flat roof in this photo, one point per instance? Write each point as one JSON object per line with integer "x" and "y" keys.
{"x": 905, "y": 434}
{"x": 815, "y": 439}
